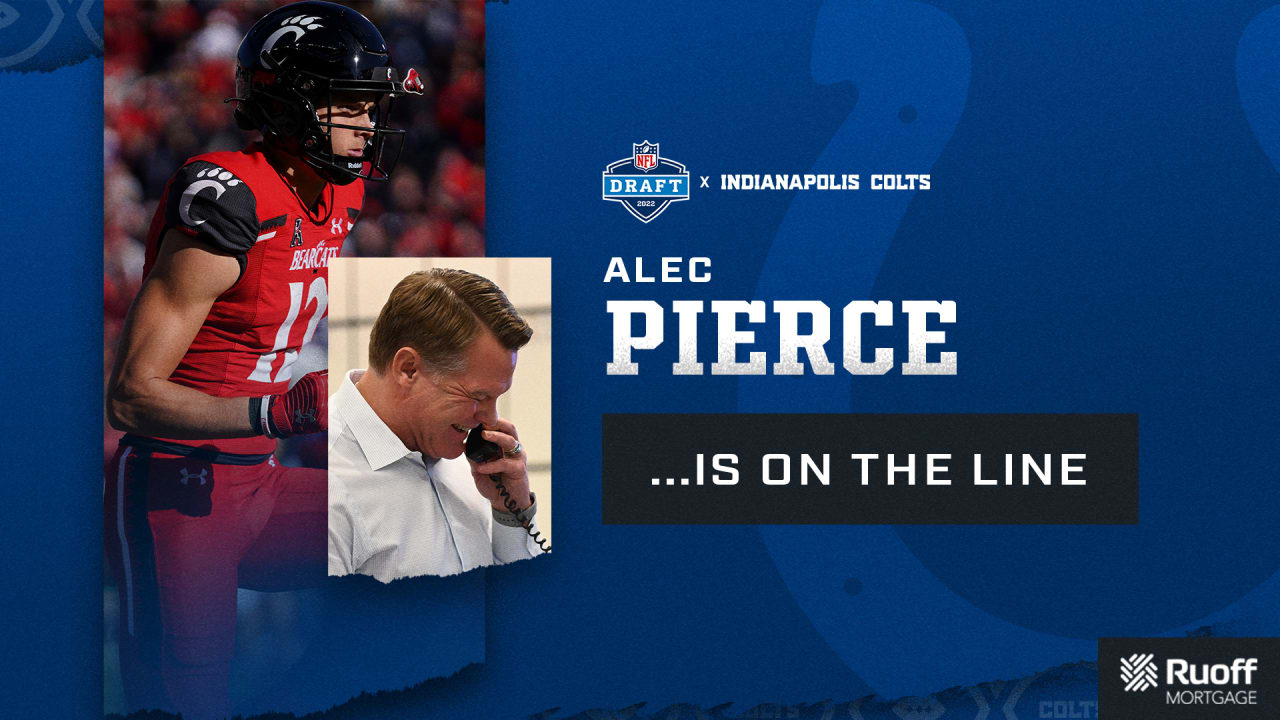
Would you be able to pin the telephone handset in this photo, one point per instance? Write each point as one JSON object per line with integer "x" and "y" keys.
{"x": 479, "y": 450}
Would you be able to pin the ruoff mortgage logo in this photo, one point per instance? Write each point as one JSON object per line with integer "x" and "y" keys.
{"x": 1138, "y": 671}
{"x": 645, "y": 183}
{"x": 1192, "y": 677}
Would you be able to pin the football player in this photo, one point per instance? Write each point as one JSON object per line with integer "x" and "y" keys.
{"x": 234, "y": 284}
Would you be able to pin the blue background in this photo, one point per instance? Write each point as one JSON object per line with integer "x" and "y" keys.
{"x": 1103, "y": 212}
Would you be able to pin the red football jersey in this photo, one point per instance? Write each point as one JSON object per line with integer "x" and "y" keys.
{"x": 237, "y": 203}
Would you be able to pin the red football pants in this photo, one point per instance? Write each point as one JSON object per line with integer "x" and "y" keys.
{"x": 181, "y": 534}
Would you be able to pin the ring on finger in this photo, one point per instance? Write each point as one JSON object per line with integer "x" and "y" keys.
{"x": 514, "y": 451}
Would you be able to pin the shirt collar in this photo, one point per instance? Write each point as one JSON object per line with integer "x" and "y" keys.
{"x": 381, "y": 447}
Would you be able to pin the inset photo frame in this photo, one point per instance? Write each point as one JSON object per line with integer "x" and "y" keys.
{"x": 440, "y": 414}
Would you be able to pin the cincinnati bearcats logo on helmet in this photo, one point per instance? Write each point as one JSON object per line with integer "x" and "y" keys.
{"x": 295, "y": 27}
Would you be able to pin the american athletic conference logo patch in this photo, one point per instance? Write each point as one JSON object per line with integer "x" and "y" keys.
{"x": 645, "y": 183}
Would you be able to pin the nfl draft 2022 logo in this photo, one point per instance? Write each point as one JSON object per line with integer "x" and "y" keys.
{"x": 645, "y": 183}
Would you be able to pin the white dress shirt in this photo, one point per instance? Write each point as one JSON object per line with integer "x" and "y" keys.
{"x": 394, "y": 513}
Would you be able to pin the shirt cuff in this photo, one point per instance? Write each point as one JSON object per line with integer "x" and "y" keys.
{"x": 517, "y": 519}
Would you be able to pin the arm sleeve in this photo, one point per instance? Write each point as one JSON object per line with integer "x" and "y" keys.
{"x": 341, "y": 532}
{"x": 510, "y": 541}
{"x": 214, "y": 206}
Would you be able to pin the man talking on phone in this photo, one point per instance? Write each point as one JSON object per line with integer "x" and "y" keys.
{"x": 403, "y": 501}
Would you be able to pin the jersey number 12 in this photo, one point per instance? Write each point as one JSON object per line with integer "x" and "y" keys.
{"x": 319, "y": 292}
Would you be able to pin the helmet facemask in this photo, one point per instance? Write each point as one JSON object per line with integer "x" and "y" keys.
{"x": 284, "y": 103}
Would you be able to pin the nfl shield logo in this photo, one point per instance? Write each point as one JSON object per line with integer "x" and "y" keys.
{"x": 645, "y": 183}
{"x": 645, "y": 155}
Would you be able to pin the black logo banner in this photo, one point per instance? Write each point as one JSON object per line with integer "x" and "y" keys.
{"x": 1197, "y": 678}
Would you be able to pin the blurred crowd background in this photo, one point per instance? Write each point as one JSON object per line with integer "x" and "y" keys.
{"x": 168, "y": 66}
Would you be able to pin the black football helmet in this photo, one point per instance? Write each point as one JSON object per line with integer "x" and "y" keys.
{"x": 295, "y": 60}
